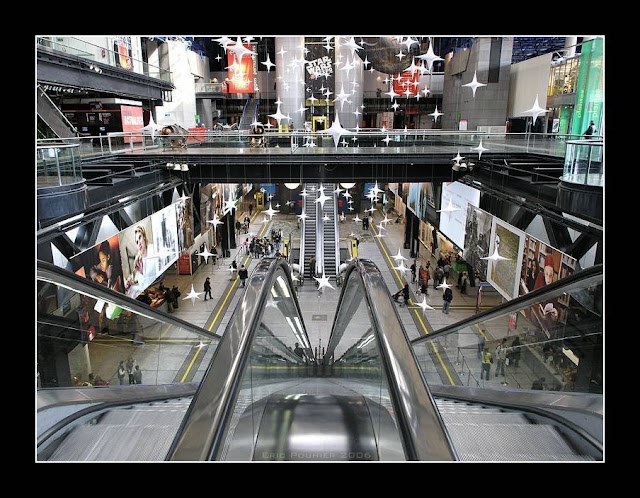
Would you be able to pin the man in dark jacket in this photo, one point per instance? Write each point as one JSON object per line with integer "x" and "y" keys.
{"x": 243, "y": 274}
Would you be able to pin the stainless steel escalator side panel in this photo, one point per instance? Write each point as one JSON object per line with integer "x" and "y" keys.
{"x": 423, "y": 431}
{"x": 203, "y": 431}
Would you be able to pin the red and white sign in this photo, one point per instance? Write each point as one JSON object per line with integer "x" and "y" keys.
{"x": 407, "y": 81}
{"x": 241, "y": 73}
{"x": 131, "y": 121}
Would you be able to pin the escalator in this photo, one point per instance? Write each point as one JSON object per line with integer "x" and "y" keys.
{"x": 266, "y": 395}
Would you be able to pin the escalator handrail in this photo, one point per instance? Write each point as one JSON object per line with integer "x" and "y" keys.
{"x": 51, "y": 273}
{"x": 579, "y": 279}
{"x": 202, "y": 434}
{"x": 423, "y": 432}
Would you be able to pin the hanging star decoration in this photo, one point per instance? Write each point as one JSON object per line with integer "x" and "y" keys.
{"x": 270, "y": 212}
{"x": 323, "y": 282}
{"x": 430, "y": 57}
{"x": 336, "y": 131}
{"x": 444, "y": 285}
{"x": 424, "y": 305}
{"x": 229, "y": 205}
{"x": 386, "y": 140}
{"x": 449, "y": 209}
{"x": 321, "y": 198}
{"x": 268, "y": 63}
{"x": 193, "y": 295}
{"x": 356, "y": 219}
{"x": 215, "y": 221}
{"x": 474, "y": 84}
{"x": 399, "y": 256}
{"x": 535, "y": 111}
{"x": 479, "y": 149}
{"x": 435, "y": 114}
{"x": 495, "y": 256}
{"x": 325, "y": 218}
{"x": 205, "y": 254}
{"x": 278, "y": 116}
{"x": 401, "y": 267}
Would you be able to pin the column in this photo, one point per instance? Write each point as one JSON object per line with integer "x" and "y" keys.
{"x": 351, "y": 81}
{"x": 290, "y": 88}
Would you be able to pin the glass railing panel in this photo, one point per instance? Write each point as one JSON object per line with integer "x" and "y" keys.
{"x": 584, "y": 162}
{"x": 554, "y": 343}
{"x": 57, "y": 164}
{"x": 82, "y": 340}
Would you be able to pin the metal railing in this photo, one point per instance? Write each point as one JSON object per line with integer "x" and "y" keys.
{"x": 87, "y": 50}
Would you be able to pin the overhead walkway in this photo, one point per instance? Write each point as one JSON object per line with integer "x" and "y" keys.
{"x": 364, "y": 397}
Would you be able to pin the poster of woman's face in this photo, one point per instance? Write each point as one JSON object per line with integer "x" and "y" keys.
{"x": 138, "y": 255}
{"x": 165, "y": 237}
{"x": 101, "y": 263}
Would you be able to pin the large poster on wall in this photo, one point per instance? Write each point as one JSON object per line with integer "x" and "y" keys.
{"x": 503, "y": 272}
{"x": 319, "y": 75}
{"x": 453, "y": 223}
{"x": 542, "y": 265}
{"x": 139, "y": 258}
{"x": 241, "y": 78}
{"x": 101, "y": 263}
{"x": 412, "y": 198}
{"x": 184, "y": 212}
{"x": 476, "y": 239}
{"x": 165, "y": 233}
{"x": 123, "y": 52}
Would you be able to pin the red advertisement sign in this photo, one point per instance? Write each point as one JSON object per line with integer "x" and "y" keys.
{"x": 407, "y": 81}
{"x": 240, "y": 72}
{"x": 184, "y": 264}
{"x": 132, "y": 121}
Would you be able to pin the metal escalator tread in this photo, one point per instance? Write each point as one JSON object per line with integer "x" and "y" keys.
{"x": 510, "y": 442}
{"x": 484, "y": 418}
{"x": 145, "y": 416}
{"x": 116, "y": 443}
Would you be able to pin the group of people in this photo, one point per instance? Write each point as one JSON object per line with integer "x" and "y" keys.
{"x": 129, "y": 371}
{"x": 505, "y": 355}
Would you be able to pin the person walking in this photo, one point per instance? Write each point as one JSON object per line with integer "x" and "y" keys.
{"x": 243, "y": 274}
{"x": 486, "y": 360}
{"x": 447, "y": 298}
{"x": 501, "y": 355}
{"x": 413, "y": 272}
{"x": 207, "y": 289}
{"x": 122, "y": 372}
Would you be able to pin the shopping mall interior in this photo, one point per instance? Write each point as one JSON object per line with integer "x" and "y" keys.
{"x": 320, "y": 249}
